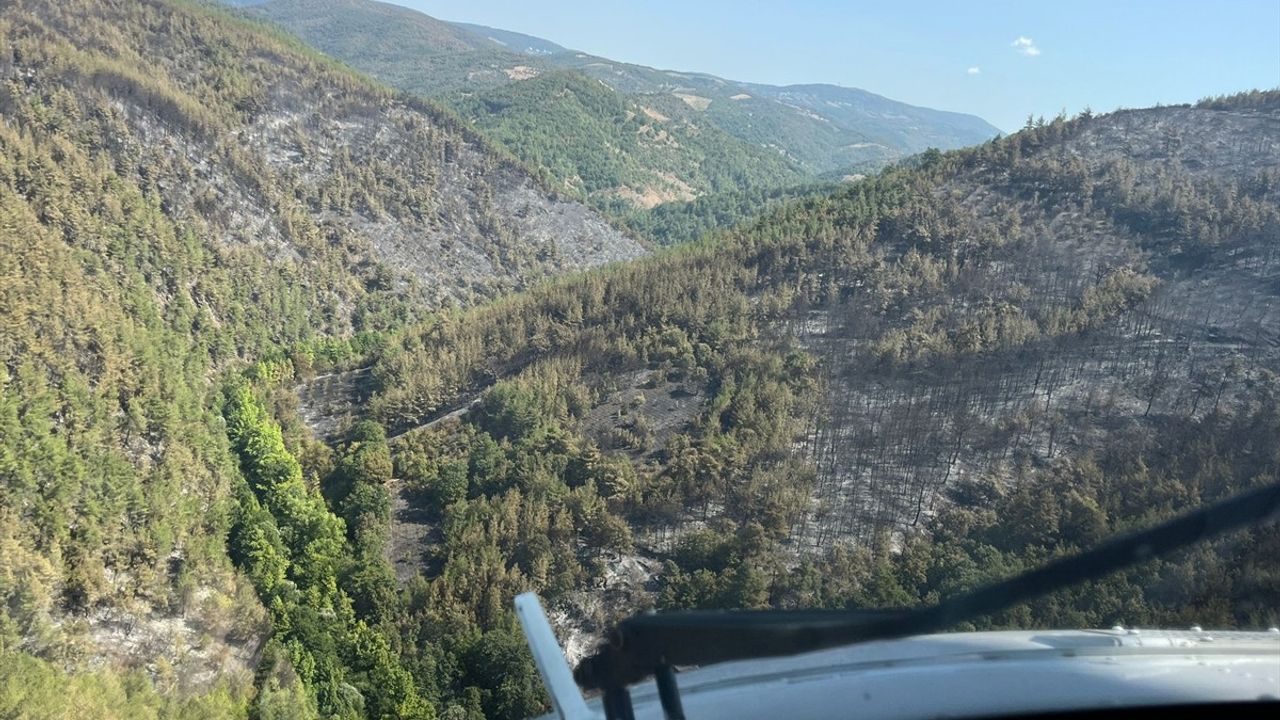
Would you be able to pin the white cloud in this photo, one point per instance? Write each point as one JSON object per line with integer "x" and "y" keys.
{"x": 1025, "y": 46}
{"x": 975, "y": 70}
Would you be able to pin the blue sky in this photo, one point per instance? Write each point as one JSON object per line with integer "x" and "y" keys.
{"x": 999, "y": 60}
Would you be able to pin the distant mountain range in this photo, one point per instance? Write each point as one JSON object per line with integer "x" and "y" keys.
{"x": 626, "y": 136}
{"x": 514, "y": 41}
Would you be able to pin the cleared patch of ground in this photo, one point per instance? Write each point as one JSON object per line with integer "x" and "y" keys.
{"x": 697, "y": 102}
{"x": 662, "y": 188}
{"x": 328, "y": 403}
{"x": 648, "y": 197}
{"x": 412, "y": 536}
{"x": 522, "y": 72}
{"x": 644, "y": 410}
{"x": 654, "y": 114}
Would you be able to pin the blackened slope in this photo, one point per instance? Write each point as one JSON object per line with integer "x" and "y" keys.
{"x": 1023, "y": 331}
{"x": 256, "y": 130}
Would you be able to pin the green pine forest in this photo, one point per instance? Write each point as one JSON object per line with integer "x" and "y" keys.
{"x": 157, "y": 468}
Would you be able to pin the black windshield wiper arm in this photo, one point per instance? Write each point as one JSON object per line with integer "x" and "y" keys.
{"x": 647, "y": 643}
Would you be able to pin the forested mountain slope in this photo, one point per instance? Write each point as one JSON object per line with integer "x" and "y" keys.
{"x": 925, "y": 380}
{"x": 514, "y": 41}
{"x": 626, "y": 136}
{"x": 182, "y": 193}
{"x": 355, "y": 159}
{"x": 625, "y": 153}
{"x": 869, "y": 398}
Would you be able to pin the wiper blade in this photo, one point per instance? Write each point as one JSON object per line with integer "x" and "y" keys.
{"x": 651, "y": 643}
